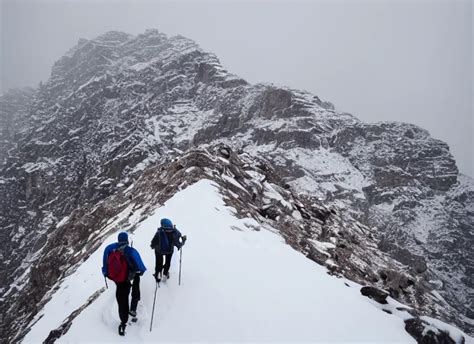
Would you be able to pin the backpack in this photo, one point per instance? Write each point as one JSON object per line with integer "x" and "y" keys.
{"x": 117, "y": 266}
{"x": 161, "y": 243}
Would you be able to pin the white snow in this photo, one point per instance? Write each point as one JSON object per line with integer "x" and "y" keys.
{"x": 453, "y": 332}
{"x": 143, "y": 65}
{"x": 30, "y": 167}
{"x": 270, "y": 193}
{"x": 233, "y": 182}
{"x": 90, "y": 81}
{"x": 325, "y": 170}
{"x": 322, "y": 246}
{"x": 237, "y": 285}
{"x": 182, "y": 121}
{"x": 73, "y": 132}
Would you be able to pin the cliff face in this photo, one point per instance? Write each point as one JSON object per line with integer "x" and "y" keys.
{"x": 119, "y": 105}
{"x": 14, "y": 106}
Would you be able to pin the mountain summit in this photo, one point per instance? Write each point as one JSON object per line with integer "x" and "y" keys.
{"x": 382, "y": 205}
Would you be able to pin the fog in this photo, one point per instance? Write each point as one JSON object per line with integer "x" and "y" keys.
{"x": 407, "y": 61}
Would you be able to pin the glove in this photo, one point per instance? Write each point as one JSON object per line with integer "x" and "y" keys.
{"x": 183, "y": 239}
{"x": 141, "y": 273}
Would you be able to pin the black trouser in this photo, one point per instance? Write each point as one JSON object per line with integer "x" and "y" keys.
{"x": 123, "y": 290}
{"x": 159, "y": 263}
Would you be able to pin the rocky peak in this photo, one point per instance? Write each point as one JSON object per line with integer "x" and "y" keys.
{"x": 119, "y": 104}
{"x": 113, "y": 38}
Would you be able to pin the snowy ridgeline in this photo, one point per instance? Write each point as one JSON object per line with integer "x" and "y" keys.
{"x": 238, "y": 284}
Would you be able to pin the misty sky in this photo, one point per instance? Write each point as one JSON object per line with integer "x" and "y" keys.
{"x": 407, "y": 61}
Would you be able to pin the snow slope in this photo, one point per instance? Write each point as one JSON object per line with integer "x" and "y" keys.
{"x": 238, "y": 284}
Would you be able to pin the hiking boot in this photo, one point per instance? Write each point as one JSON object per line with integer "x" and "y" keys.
{"x": 167, "y": 274}
{"x": 133, "y": 313}
{"x": 157, "y": 279}
{"x": 121, "y": 329}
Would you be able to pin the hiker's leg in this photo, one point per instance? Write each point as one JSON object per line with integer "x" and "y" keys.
{"x": 123, "y": 289}
{"x": 166, "y": 268}
{"x": 158, "y": 262}
{"x": 135, "y": 293}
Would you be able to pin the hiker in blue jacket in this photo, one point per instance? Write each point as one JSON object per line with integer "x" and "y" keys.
{"x": 123, "y": 264}
{"x": 164, "y": 241}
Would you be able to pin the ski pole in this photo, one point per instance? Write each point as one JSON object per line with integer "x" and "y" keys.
{"x": 105, "y": 279}
{"x": 180, "y": 257}
{"x": 153, "y": 310}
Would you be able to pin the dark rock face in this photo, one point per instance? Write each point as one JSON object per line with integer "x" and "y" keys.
{"x": 375, "y": 294}
{"x": 374, "y": 200}
{"x": 14, "y": 106}
{"x": 404, "y": 256}
{"x": 397, "y": 153}
{"x": 420, "y": 330}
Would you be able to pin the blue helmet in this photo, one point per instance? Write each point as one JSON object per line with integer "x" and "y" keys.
{"x": 166, "y": 223}
{"x": 123, "y": 238}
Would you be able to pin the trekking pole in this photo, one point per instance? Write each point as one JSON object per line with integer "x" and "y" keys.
{"x": 153, "y": 310}
{"x": 105, "y": 279}
{"x": 180, "y": 257}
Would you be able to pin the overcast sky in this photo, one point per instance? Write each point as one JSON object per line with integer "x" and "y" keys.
{"x": 387, "y": 60}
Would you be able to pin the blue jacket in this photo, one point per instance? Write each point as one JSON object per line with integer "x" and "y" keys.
{"x": 135, "y": 263}
{"x": 165, "y": 239}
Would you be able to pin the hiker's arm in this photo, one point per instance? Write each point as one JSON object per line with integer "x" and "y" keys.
{"x": 177, "y": 236}
{"x": 138, "y": 261}
{"x": 104, "y": 260}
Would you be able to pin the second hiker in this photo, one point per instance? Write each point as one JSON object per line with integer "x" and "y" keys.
{"x": 123, "y": 264}
{"x": 164, "y": 241}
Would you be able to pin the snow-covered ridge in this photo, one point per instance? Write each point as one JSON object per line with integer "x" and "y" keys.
{"x": 252, "y": 190}
{"x": 232, "y": 292}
